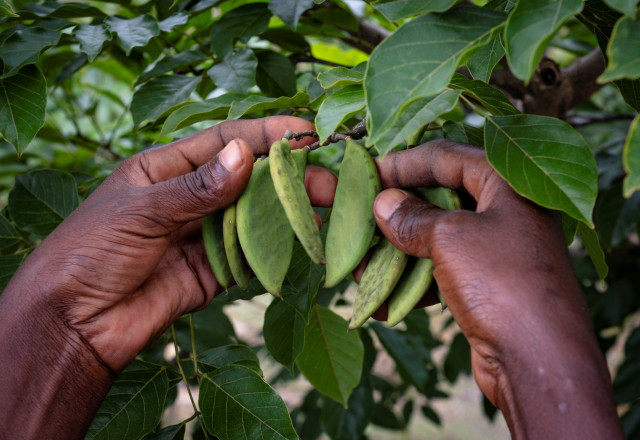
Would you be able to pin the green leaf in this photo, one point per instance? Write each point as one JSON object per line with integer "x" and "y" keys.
{"x": 337, "y": 108}
{"x": 631, "y": 158}
{"x": 623, "y": 51}
{"x": 530, "y": 27}
{"x": 92, "y": 38}
{"x": 160, "y": 94}
{"x": 411, "y": 363}
{"x": 183, "y": 59}
{"x": 489, "y": 97}
{"x": 169, "y": 23}
{"x": 40, "y": 200}
{"x": 24, "y": 47}
{"x": 349, "y": 423}
{"x": 290, "y": 11}
{"x": 275, "y": 75}
{"x": 134, "y": 32}
{"x": 616, "y": 217}
{"x": 211, "y": 109}
{"x": 303, "y": 280}
{"x": 173, "y": 432}
{"x": 545, "y": 160}
{"x": 9, "y": 264}
{"x": 332, "y": 357}
{"x": 239, "y": 24}
{"x": 235, "y": 354}
{"x": 256, "y": 103}
{"x": 213, "y": 327}
{"x": 236, "y": 403}
{"x": 236, "y": 71}
{"x": 569, "y": 228}
{"x": 627, "y": 7}
{"x": 589, "y": 239}
{"x": 418, "y": 114}
{"x": 459, "y": 132}
{"x": 626, "y": 385}
{"x": 482, "y": 62}
{"x": 398, "y": 9}
{"x": 134, "y": 405}
{"x": 9, "y": 236}
{"x": 6, "y": 9}
{"x": 458, "y": 359}
{"x": 339, "y": 76}
{"x": 283, "y": 332}
{"x": 419, "y": 59}
{"x": 286, "y": 39}
{"x": 23, "y": 99}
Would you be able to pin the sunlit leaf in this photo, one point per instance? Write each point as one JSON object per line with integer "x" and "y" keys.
{"x": 418, "y": 114}
{"x": 257, "y": 103}
{"x": 6, "y": 9}
{"x": 623, "y": 51}
{"x": 134, "y": 32}
{"x": 169, "y": 23}
{"x": 92, "y": 38}
{"x": 419, "y": 59}
{"x": 236, "y": 71}
{"x": 22, "y": 107}
{"x": 332, "y": 357}
{"x": 134, "y": 405}
{"x": 290, "y": 11}
{"x": 337, "y": 108}
{"x": 530, "y": 27}
{"x": 160, "y": 94}
{"x": 631, "y": 158}
{"x": 236, "y": 403}
{"x": 210, "y": 109}
{"x": 24, "y": 47}
{"x": 545, "y": 160}
{"x": 339, "y": 76}
{"x": 397, "y": 9}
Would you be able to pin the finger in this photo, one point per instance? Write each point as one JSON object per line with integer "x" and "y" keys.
{"x": 167, "y": 205}
{"x": 321, "y": 186}
{"x": 407, "y": 221}
{"x": 441, "y": 163}
{"x": 183, "y": 156}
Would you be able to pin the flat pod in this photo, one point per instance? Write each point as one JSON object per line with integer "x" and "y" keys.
{"x": 288, "y": 180}
{"x": 212, "y": 236}
{"x": 352, "y": 225}
{"x": 239, "y": 269}
{"x": 378, "y": 280}
{"x": 264, "y": 231}
{"x": 413, "y": 285}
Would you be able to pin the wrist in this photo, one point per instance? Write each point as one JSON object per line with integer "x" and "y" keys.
{"x": 55, "y": 381}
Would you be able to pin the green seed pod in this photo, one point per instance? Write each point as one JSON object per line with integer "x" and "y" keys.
{"x": 378, "y": 280}
{"x": 413, "y": 285}
{"x": 289, "y": 185}
{"x": 441, "y": 197}
{"x": 352, "y": 225}
{"x": 239, "y": 269}
{"x": 264, "y": 231}
{"x": 212, "y": 236}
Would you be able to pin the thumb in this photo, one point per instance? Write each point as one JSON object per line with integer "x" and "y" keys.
{"x": 212, "y": 186}
{"x": 407, "y": 221}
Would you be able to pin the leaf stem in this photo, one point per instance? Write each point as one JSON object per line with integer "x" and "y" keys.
{"x": 186, "y": 382}
{"x": 193, "y": 348}
{"x": 475, "y": 108}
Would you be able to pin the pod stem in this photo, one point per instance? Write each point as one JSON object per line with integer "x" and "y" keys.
{"x": 358, "y": 131}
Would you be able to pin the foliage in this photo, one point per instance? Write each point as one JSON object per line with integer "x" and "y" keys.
{"x": 85, "y": 85}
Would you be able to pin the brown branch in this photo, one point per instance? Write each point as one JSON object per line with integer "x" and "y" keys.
{"x": 358, "y": 131}
{"x": 552, "y": 90}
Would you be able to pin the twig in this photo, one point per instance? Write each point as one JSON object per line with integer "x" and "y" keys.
{"x": 358, "y": 131}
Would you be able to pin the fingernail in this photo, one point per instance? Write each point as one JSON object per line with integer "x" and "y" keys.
{"x": 231, "y": 156}
{"x": 387, "y": 203}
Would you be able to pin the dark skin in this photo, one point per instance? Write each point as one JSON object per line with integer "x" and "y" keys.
{"x": 71, "y": 315}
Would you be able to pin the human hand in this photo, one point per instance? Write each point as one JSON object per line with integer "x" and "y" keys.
{"x": 505, "y": 274}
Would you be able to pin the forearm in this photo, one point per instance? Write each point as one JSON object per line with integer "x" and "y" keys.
{"x": 53, "y": 383}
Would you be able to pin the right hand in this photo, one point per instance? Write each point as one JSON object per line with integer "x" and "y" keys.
{"x": 505, "y": 273}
